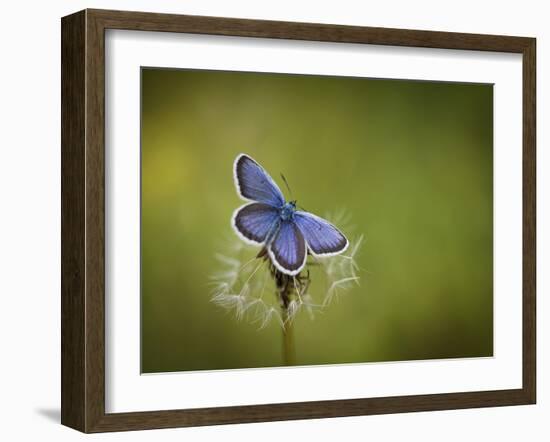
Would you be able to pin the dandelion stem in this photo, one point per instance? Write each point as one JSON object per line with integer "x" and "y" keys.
{"x": 289, "y": 351}
{"x": 288, "y": 288}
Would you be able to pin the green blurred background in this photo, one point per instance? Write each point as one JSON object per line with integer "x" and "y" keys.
{"x": 410, "y": 161}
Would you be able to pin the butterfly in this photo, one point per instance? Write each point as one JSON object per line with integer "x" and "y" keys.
{"x": 287, "y": 234}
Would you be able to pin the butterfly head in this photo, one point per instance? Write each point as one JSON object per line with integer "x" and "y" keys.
{"x": 287, "y": 211}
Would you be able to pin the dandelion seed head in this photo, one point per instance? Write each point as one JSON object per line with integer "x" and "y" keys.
{"x": 243, "y": 283}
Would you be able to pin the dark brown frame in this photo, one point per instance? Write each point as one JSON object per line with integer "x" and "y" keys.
{"x": 83, "y": 216}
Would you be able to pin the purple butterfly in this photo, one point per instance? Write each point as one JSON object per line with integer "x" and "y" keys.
{"x": 288, "y": 234}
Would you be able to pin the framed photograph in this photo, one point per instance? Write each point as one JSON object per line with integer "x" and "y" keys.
{"x": 269, "y": 220}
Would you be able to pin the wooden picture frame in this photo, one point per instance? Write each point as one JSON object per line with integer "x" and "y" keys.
{"x": 83, "y": 220}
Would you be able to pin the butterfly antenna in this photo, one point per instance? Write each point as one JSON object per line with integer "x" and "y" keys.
{"x": 286, "y": 184}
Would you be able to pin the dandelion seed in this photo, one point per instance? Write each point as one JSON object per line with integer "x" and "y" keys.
{"x": 272, "y": 312}
{"x": 309, "y": 305}
{"x": 336, "y": 286}
{"x": 231, "y": 262}
{"x": 293, "y": 309}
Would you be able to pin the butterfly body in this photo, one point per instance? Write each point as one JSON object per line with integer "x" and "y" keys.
{"x": 269, "y": 220}
{"x": 287, "y": 211}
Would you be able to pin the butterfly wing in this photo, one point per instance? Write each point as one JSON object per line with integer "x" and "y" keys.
{"x": 288, "y": 251}
{"x": 254, "y": 183}
{"x": 323, "y": 239}
{"x": 255, "y": 222}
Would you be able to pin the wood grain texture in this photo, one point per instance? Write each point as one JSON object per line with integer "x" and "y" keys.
{"x": 529, "y": 221}
{"x": 145, "y": 21}
{"x": 73, "y": 103}
{"x": 83, "y": 220}
{"x": 95, "y": 221}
